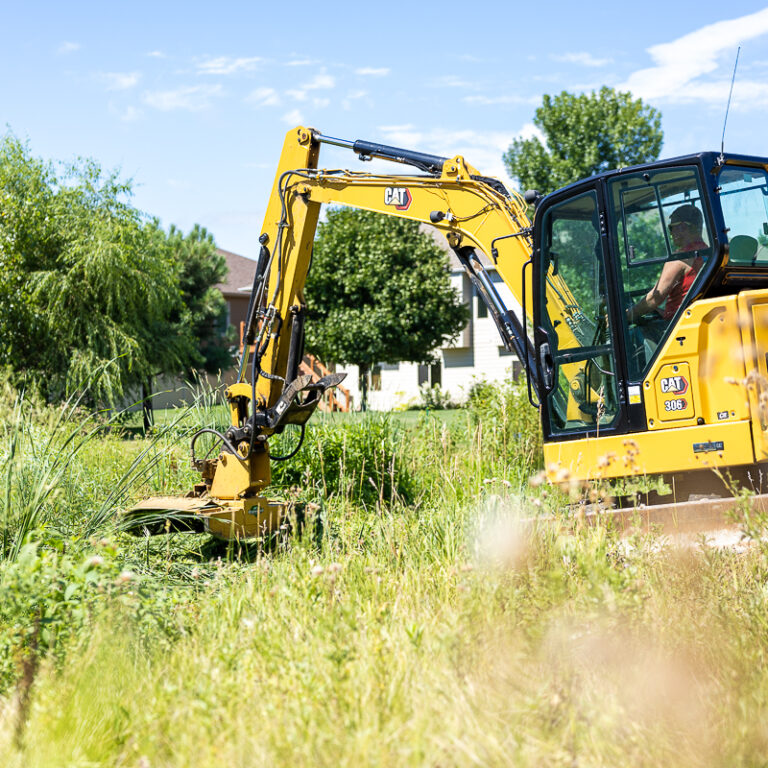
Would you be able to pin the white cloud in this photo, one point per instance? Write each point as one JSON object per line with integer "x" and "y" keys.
{"x": 294, "y": 117}
{"x": 372, "y": 71}
{"x": 349, "y": 100}
{"x": 129, "y": 114}
{"x": 583, "y": 58}
{"x": 396, "y": 128}
{"x": 191, "y": 98}
{"x": 156, "y": 55}
{"x": 300, "y": 63}
{"x": 119, "y": 81}
{"x": 321, "y": 103}
{"x": 297, "y": 95}
{"x": 68, "y": 47}
{"x": 263, "y": 97}
{"x": 746, "y": 93}
{"x": 226, "y": 65}
{"x": 531, "y": 131}
{"x": 321, "y": 81}
{"x": 406, "y": 135}
{"x": 681, "y": 66}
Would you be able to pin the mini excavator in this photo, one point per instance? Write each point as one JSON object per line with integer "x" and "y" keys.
{"x": 680, "y": 392}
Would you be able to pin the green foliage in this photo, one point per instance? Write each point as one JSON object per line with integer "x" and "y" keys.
{"x": 584, "y": 134}
{"x": 508, "y": 427}
{"x": 86, "y": 285}
{"x": 378, "y": 291}
{"x": 48, "y": 597}
{"x": 89, "y": 289}
{"x": 201, "y": 315}
{"x": 362, "y": 462}
{"x": 434, "y": 632}
{"x": 432, "y": 397}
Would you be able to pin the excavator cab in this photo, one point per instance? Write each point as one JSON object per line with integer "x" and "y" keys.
{"x": 600, "y": 246}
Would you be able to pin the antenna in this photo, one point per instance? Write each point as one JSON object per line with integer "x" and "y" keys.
{"x": 721, "y": 159}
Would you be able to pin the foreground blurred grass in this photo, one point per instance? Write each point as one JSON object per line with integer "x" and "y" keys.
{"x": 427, "y": 629}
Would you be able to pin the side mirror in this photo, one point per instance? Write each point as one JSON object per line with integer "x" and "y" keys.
{"x": 532, "y": 197}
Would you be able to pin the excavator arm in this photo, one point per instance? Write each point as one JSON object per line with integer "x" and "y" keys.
{"x": 474, "y": 212}
{"x": 575, "y": 342}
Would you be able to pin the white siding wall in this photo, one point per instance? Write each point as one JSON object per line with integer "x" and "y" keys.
{"x": 477, "y": 353}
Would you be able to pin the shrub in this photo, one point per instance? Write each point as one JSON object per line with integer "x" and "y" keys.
{"x": 362, "y": 460}
{"x": 434, "y": 398}
{"x": 49, "y": 597}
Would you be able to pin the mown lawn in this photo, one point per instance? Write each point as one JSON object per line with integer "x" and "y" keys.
{"x": 426, "y": 628}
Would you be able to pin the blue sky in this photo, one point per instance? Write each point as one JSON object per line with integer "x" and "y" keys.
{"x": 192, "y": 100}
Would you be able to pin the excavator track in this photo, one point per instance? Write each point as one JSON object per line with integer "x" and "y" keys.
{"x": 701, "y": 502}
{"x": 684, "y": 517}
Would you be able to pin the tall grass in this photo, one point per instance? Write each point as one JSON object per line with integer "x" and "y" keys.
{"x": 429, "y": 628}
{"x": 396, "y": 650}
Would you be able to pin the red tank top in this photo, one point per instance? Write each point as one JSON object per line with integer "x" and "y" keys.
{"x": 677, "y": 294}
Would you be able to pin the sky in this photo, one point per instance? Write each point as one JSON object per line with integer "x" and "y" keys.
{"x": 191, "y": 100}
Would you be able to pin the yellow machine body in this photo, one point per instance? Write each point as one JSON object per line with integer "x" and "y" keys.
{"x": 705, "y": 397}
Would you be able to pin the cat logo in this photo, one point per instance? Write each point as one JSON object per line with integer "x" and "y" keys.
{"x": 400, "y": 197}
{"x": 674, "y": 385}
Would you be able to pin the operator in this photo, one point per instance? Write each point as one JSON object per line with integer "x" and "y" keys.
{"x": 676, "y": 278}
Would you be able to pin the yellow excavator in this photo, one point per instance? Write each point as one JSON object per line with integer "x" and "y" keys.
{"x": 679, "y": 390}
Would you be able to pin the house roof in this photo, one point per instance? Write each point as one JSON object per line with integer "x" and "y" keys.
{"x": 240, "y": 274}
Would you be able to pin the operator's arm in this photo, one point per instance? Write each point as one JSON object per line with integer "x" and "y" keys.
{"x": 671, "y": 274}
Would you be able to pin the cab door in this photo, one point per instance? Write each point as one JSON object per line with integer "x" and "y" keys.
{"x": 574, "y": 334}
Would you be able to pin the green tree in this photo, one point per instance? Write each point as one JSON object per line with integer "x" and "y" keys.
{"x": 84, "y": 285}
{"x": 378, "y": 291}
{"x": 584, "y": 134}
{"x": 202, "y": 312}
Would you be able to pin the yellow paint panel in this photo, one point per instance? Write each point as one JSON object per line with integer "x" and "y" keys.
{"x": 244, "y": 519}
{"x": 669, "y": 450}
{"x": 754, "y": 330}
{"x": 707, "y": 339}
{"x": 235, "y": 476}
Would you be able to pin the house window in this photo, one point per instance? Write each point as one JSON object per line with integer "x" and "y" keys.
{"x": 430, "y": 374}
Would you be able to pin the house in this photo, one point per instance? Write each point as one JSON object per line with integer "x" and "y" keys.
{"x": 236, "y": 289}
{"x": 477, "y": 353}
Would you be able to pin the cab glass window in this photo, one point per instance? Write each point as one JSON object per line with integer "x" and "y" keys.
{"x": 575, "y": 316}
{"x": 659, "y": 217}
{"x": 744, "y": 198}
